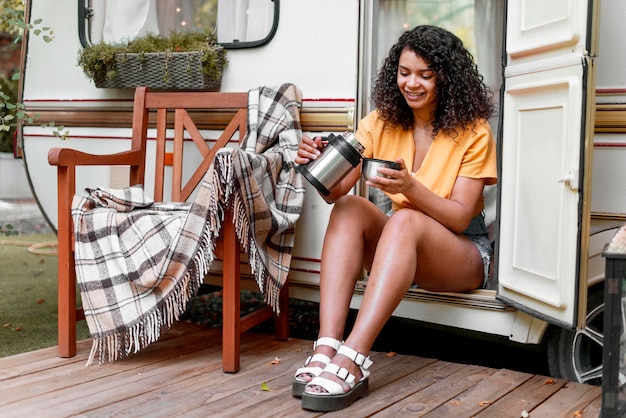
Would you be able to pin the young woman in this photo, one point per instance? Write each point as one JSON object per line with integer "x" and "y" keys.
{"x": 432, "y": 108}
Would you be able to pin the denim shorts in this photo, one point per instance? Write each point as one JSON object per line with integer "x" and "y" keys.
{"x": 477, "y": 232}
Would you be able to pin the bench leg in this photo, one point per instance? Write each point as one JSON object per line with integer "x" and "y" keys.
{"x": 67, "y": 313}
{"x": 281, "y": 322}
{"x": 231, "y": 323}
{"x": 66, "y": 273}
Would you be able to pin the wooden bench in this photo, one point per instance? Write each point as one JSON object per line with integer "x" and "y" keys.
{"x": 176, "y": 110}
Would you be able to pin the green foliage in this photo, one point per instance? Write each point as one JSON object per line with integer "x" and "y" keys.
{"x": 7, "y": 230}
{"x": 10, "y": 11}
{"x": 12, "y": 22}
{"x": 98, "y": 61}
{"x": 10, "y": 111}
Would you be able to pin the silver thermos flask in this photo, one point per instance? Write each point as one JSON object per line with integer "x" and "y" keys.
{"x": 338, "y": 158}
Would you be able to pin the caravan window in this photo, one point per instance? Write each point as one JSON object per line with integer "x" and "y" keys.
{"x": 237, "y": 23}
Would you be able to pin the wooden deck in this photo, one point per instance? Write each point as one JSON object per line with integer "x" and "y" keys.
{"x": 181, "y": 375}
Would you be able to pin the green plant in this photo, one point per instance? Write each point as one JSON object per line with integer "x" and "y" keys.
{"x": 8, "y": 112}
{"x": 98, "y": 61}
{"x": 12, "y": 23}
{"x": 7, "y": 230}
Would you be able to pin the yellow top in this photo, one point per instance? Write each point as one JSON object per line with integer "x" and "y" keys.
{"x": 471, "y": 154}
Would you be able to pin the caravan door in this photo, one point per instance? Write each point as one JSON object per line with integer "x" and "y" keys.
{"x": 546, "y": 144}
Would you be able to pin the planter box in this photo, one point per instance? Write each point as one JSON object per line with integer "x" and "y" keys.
{"x": 162, "y": 71}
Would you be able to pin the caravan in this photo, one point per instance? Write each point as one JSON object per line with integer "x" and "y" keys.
{"x": 556, "y": 69}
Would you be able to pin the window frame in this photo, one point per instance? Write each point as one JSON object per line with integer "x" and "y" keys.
{"x": 86, "y": 12}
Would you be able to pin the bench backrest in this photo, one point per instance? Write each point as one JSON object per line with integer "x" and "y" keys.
{"x": 184, "y": 112}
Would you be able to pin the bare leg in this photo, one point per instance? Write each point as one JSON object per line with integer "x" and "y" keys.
{"x": 412, "y": 248}
{"x": 349, "y": 244}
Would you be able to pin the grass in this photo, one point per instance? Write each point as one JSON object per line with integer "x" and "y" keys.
{"x": 28, "y": 296}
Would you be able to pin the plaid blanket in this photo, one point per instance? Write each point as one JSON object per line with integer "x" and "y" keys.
{"x": 138, "y": 262}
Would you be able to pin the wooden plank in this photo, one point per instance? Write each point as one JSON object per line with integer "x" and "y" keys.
{"x": 245, "y": 392}
{"x": 123, "y": 375}
{"x": 37, "y": 361}
{"x": 528, "y": 396}
{"x": 593, "y": 409}
{"x": 46, "y": 358}
{"x": 394, "y": 379}
{"x": 389, "y": 390}
{"x": 182, "y": 375}
{"x": 77, "y": 399}
{"x": 205, "y": 390}
{"x": 253, "y": 401}
{"x": 67, "y": 384}
{"x": 22, "y": 371}
{"x": 480, "y": 396}
{"x": 426, "y": 400}
{"x": 568, "y": 402}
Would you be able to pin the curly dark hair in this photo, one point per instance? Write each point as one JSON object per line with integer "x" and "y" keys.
{"x": 462, "y": 96}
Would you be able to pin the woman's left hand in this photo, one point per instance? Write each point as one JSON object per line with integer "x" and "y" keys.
{"x": 392, "y": 181}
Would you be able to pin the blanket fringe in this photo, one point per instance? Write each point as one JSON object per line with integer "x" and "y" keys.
{"x": 148, "y": 330}
{"x": 234, "y": 201}
{"x": 225, "y": 168}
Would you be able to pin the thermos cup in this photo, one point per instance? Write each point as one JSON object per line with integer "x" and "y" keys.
{"x": 337, "y": 159}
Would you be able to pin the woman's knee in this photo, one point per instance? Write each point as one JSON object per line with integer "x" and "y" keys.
{"x": 354, "y": 208}
{"x": 356, "y": 216}
{"x": 348, "y": 203}
{"x": 409, "y": 221}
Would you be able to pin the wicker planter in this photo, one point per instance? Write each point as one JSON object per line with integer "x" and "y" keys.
{"x": 163, "y": 71}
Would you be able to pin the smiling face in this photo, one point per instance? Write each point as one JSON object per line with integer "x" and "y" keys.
{"x": 417, "y": 82}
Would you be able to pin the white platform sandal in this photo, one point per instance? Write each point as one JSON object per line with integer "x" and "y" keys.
{"x": 335, "y": 398}
{"x": 298, "y": 384}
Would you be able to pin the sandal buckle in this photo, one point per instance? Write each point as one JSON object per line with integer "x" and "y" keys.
{"x": 359, "y": 359}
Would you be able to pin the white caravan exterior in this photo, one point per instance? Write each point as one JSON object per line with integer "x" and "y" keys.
{"x": 560, "y": 134}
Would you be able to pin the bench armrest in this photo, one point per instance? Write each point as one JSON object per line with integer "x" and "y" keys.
{"x": 66, "y": 157}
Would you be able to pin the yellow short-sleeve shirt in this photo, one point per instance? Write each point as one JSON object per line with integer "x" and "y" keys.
{"x": 472, "y": 154}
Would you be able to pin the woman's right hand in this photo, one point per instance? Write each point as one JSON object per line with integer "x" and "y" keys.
{"x": 309, "y": 149}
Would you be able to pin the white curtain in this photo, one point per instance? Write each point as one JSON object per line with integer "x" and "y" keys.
{"x": 489, "y": 27}
{"x": 488, "y": 30}
{"x": 118, "y": 20}
{"x": 128, "y": 19}
{"x": 391, "y": 24}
